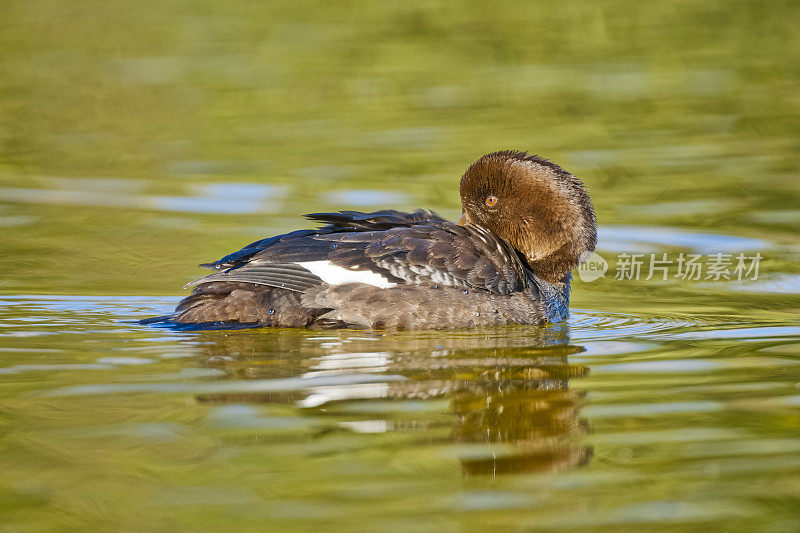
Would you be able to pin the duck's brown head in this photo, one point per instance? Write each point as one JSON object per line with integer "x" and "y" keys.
{"x": 533, "y": 204}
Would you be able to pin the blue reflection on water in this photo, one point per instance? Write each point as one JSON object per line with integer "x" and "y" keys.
{"x": 642, "y": 238}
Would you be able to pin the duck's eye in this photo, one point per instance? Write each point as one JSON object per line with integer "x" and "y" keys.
{"x": 491, "y": 200}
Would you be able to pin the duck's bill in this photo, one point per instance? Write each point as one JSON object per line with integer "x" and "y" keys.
{"x": 464, "y": 220}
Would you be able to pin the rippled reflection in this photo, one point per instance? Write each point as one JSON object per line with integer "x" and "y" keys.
{"x": 471, "y": 424}
{"x": 510, "y": 408}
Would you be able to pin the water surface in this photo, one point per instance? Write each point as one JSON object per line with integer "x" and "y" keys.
{"x": 138, "y": 140}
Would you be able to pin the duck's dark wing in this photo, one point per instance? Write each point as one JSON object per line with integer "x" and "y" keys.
{"x": 384, "y": 248}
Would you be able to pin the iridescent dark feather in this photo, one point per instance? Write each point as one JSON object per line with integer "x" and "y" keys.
{"x": 412, "y": 248}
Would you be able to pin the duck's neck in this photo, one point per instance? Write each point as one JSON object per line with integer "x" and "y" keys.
{"x": 555, "y": 267}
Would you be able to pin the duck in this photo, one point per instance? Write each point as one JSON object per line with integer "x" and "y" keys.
{"x": 525, "y": 224}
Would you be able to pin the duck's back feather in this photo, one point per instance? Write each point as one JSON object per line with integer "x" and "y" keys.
{"x": 402, "y": 248}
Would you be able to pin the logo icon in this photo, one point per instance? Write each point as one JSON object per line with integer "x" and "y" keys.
{"x": 592, "y": 266}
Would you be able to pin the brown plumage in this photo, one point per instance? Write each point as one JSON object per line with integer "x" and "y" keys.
{"x": 542, "y": 210}
{"x": 526, "y": 221}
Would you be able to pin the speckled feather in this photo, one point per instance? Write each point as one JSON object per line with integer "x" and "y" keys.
{"x": 415, "y": 248}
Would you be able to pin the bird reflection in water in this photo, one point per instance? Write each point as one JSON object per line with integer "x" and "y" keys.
{"x": 510, "y": 406}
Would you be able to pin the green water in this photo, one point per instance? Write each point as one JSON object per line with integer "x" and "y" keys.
{"x": 139, "y": 139}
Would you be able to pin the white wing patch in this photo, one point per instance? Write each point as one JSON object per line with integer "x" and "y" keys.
{"x": 336, "y": 275}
